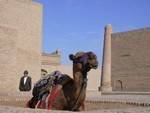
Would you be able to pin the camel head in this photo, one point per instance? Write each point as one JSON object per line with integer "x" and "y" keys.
{"x": 85, "y": 60}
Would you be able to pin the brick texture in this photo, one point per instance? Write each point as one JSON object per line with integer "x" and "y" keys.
{"x": 131, "y": 60}
{"x": 20, "y": 42}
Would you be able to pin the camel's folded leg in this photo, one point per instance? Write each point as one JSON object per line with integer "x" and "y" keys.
{"x": 32, "y": 102}
{"x": 82, "y": 107}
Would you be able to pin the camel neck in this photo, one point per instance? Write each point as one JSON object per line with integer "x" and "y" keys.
{"x": 79, "y": 74}
{"x": 80, "y": 83}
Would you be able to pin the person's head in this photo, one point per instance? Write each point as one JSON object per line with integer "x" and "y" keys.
{"x": 43, "y": 72}
{"x": 25, "y": 73}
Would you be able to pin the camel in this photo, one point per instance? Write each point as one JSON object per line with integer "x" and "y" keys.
{"x": 73, "y": 92}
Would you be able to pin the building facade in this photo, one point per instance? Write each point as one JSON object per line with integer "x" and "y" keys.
{"x": 131, "y": 60}
{"x": 126, "y": 61}
{"x": 50, "y": 61}
{"x": 20, "y": 42}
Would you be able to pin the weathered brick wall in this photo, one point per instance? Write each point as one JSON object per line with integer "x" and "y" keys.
{"x": 131, "y": 60}
{"x": 7, "y": 57}
{"x": 20, "y": 48}
{"x": 50, "y": 59}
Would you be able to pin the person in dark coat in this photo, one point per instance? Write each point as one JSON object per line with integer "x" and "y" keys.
{"x": 25, "y": 82}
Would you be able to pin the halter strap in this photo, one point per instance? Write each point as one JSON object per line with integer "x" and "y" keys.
{"x": 82, "y": 59}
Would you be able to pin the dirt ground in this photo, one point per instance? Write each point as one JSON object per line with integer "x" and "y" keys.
{"x": 17, "y": 102}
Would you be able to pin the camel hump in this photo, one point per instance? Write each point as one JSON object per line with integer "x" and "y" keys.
{"x": 64, "y": 79}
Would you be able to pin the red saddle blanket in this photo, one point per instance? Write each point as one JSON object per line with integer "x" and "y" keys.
{"x": 54, "y": 101}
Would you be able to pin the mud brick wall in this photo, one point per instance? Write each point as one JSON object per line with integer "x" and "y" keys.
{"x": 131, "y": 60}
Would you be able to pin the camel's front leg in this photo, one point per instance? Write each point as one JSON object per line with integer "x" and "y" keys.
{"x": 82, "y": 107}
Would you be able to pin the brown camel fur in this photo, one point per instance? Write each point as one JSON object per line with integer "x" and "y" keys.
{"x": 73, "y": 93}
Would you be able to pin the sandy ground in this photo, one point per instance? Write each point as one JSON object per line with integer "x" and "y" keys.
{"x": 8, "y": 109}
{"x": 16, "y": 104}
{"x": 89, "y": 106}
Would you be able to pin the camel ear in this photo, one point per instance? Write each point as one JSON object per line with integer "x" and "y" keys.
{"x": 71, "y": 57}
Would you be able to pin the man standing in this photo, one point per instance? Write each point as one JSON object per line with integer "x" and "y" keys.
{"x": 25, "y": 82}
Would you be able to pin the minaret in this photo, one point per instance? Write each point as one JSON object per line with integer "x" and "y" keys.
{"x": 106, "y": 64}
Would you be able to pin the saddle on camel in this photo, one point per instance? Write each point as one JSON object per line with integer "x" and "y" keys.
{"x": 68, "y": 93}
